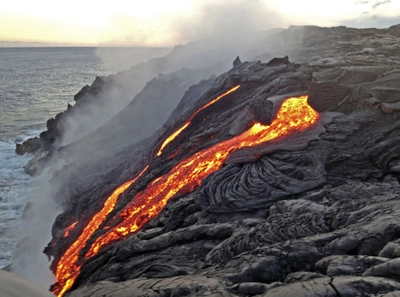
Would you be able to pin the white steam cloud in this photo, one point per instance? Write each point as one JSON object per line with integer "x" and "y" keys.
{"x": 231, "y": 23}
{"x": 35, "y": 230}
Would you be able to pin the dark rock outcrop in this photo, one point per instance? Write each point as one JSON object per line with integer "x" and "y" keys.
{"x": 334, "y": 96}
{"x": 237, "y": 62}
{"x": 29, "y": 146}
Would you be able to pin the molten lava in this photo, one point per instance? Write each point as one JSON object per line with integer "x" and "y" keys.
{"x": 184, "y": 126}
{"x": 69, "y": 228}
{"x": 294, "y": 115}
{"x": 68, "y": 268}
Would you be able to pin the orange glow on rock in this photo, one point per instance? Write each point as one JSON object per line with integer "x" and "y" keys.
{"x": 184, "y": 126}
{"x": 294, "y": 115}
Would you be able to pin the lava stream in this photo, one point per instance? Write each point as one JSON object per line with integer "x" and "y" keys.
{"x": 184, "y": 126}
{"x": 68, "y": 268}
{"x": 69, "y": 228}
{"x": 294, "y": 115}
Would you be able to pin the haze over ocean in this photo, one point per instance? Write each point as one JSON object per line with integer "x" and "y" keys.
{"x": 35, "y": 85}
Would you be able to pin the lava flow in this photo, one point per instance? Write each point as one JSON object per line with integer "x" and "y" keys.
{"x": 68, "y": 268}
{"x": 294, "y": 115}
{"x": 69, "y": 228}
{"x": 184, "y": 126}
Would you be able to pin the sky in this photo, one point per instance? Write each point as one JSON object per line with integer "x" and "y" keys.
{"x": 171, "y": 22}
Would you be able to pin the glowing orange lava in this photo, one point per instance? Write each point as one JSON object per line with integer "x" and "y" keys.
{"x": 69, "y": 228}
{"x": 177, "y": 132}
{"x": 294, "y": 115}
{"x": 67, "y": 268}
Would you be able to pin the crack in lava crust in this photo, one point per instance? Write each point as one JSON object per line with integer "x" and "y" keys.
{"x": 294, "y": 115}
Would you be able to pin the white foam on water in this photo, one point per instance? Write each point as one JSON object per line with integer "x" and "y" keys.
{"x": 15, "y": 189}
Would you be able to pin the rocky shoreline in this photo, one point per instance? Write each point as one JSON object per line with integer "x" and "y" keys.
{"x": 315, "y": 213}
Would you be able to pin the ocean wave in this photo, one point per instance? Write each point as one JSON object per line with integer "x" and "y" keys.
{"x": 15, "y": 188}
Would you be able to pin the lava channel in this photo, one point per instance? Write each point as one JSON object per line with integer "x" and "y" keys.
{"x": 184, "y": 126}
{"x": 295, "y": 115}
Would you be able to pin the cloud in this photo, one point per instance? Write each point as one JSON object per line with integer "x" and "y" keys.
{"x": 372, "y": 21}
{"x": 227, "y": 20}
{"x": 224, "y": 20}
{"x": 127, "y": 29}
{"x": 375, "y": 5}
{"x": 380, "y": 3}
{"x": 362, "y": 2}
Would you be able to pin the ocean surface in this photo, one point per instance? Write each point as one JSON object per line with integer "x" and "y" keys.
{"x": 35, "y": 85}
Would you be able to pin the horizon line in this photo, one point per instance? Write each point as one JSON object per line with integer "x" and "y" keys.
{"x": 16, "y": 44}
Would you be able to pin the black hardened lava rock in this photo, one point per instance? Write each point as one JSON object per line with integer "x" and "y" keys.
{"x": 316, "y": 213}
{"x": 327, "y": 96}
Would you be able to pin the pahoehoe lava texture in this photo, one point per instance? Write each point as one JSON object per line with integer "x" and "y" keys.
{"x": 316, "y": 213}
{"x": 259, "y": 184}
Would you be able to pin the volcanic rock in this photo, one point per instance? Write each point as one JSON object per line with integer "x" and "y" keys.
{"x": 278, "y": 61}
{"x": 312, "y": 213}
{"x": 237, "y": 62}
{"x": 340, "y": 286}
{"x": 334, "y": 96}
{"x": 29, "y": 146}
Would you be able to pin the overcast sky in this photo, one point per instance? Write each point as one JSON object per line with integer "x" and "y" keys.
{"x": 171, "y": 22}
